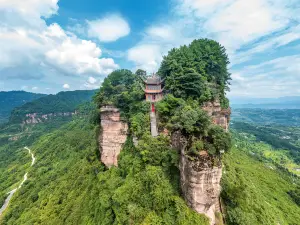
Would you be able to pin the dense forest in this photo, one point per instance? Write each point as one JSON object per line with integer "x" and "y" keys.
{"x": 62, "y": 102}
{"x": 11, "y": 99}
{"x": 255, "y": 191}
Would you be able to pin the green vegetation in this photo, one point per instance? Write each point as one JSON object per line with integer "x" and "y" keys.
{"x": 14, "y": 160}
{"x": 258, "y": 116}
{"x": 255, "y": 192}
{"x": 197, "y": 71}
{"x": 122, "y": 88}
{"x": 68, "y": 184}
{"x": 285, "y": 149}
{"x": 142, "y": 190}
{"x": 190, "y": 120}
{"x": 59, "y": 103}
{"x": 11, "y": 99}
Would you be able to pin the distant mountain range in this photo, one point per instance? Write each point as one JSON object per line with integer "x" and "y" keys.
{"x": 62, "y": 102}
{"x": 289, "y": 102}
{"x": 11, "y": 99}
{"x": 15, "y": 104}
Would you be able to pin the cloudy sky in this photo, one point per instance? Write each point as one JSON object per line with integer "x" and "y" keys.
{"x": 53, "y": 45}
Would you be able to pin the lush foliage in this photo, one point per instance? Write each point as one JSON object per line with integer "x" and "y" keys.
{"x": 123, "y": 90}
{"x": 259, "y": 116}
{"x": 198, "y": 71}
{"x": 280, "y": 138}
{"x": 255, "y": 192}
{"x": 187, "y": 117}
{"x": 12, "y": 99}
{"x": 295, "y": 195}
{"x": 142, "y": 190}
{"x": 61, "y": 102}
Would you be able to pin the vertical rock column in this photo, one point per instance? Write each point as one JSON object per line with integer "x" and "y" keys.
{"x": 113, "y": 135}
{"x": 200, "y": 184}
{"x": 200, "y": 178}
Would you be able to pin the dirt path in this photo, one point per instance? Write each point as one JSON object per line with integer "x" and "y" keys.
{"x": 11, "y": 193}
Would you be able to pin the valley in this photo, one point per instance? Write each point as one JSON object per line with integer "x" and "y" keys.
{"x": 12, "y": 192}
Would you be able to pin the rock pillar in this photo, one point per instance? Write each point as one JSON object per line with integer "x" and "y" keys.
{"x": 113, "y": 135}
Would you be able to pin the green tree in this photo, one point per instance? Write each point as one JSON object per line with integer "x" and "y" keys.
{"x": 198, "y": 71}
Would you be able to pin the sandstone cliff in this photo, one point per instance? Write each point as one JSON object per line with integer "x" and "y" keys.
{"x": 219, "y": 116}
{"x": 200, "y": 184}
{"x": 113, "y": 135}
{"x": 200, "y": 177}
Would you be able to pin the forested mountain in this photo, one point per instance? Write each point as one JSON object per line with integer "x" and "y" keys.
{"x": 68, "y": 184}
{"x": 62, "y": 102}
{"x": 11, "y": 99}
{"x": 255, "y": 191}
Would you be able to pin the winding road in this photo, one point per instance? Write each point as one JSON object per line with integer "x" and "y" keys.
{"x": 11, "y": 193}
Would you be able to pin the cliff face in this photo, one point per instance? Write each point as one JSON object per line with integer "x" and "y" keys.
{"x": 200, "y": 178}
{"x": 34, "y": 118}
{"x": 113, "y": 135}
{"x": 200, "y": 184}
{"x": 219, "y": 116}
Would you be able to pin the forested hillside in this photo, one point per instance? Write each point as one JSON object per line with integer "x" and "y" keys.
{"x": 278, "y": 129}
{"x": 14, "y": 158}
{"x": 69, "y": 185}
{"x": 59, "y": 103}
{"x": 257, "y": 192}
{"x": 11, "y": 99}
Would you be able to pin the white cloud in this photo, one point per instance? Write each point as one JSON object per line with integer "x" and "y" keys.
{"x": 79, "y": 57}
{"x": 34, "y": 88}
{"x": 91, "y": 83}
{"x": 66, "y": 86}
{"x": 109, "y": 28}
{"x": 247, "y": 29}
{"x": 31, "y": 49}
{"x": 163, "y": 31}
{"x": 146, "y": 57}
{"x": 200, "y": 7}
{"x": 282, "y": 39}
{"x": 235, "y": 23}
{"x": 274, "y": 78}
{"x": 31, "y": 7}
{"x": 92, "y": 80}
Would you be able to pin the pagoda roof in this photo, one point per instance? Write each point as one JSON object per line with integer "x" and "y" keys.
{"x": 154, "y": 79}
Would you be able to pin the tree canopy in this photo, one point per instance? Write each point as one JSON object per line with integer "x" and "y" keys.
{"x": 198, "y": 70}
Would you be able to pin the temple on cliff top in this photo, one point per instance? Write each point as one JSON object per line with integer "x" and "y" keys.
{"x": 153, "y": 88}
{"x": 153, "y": 93}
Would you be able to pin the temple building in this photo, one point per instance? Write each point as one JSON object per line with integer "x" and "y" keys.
{"x": 153, "y": 88}
{"x": 154, "y": 93}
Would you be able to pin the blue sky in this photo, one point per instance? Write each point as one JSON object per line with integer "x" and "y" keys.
{"x": 49, "y": 46}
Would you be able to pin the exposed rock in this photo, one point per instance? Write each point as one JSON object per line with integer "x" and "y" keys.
{"x": 113, "y": 135}
{"x": 219, "y": 116}
{"x": 14, "y": 138}
{"x": 200, "y": 184}
{"x": 200, "y": 176}
{"x": 34, "y": 118}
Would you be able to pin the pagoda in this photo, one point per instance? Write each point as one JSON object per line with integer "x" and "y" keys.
{"x": 153, "y": 88}
{"x": 153, "y": 93}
